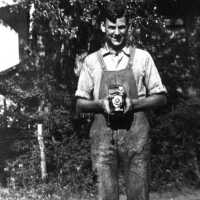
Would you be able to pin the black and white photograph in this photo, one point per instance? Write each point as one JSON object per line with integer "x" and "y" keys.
{"x": 99, "y": 100}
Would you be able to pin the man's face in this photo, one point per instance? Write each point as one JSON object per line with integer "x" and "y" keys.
{"x": 116, "y": 32}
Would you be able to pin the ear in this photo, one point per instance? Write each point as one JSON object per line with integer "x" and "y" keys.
{"x": 103, "y": 28}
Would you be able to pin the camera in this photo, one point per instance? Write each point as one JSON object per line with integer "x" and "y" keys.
{"x": 116, "y": 98}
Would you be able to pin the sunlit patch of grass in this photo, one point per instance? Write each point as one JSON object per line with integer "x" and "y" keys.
{"x": 56, "y": 192}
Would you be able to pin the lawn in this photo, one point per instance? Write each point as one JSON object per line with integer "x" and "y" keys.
{"x": 7, "y": 194}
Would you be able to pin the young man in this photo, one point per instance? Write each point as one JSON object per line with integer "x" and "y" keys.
{"x": 118, "y": 83}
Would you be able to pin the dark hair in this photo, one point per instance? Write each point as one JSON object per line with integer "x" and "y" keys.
{"x": 114, "y": 9}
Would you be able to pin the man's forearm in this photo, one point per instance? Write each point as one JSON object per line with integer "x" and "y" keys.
{"x": 100, "y": 106}
{"x": 149, "y": 102}
{"x": 87, "y": 106}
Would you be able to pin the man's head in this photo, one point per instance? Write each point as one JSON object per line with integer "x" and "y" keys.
{"x": 114, "y": 9}
{"x": 115, "y": 24}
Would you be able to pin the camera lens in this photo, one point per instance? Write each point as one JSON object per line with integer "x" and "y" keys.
{"x": 117, "y": 101}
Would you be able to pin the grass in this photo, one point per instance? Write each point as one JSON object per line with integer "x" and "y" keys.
{"x": 43, "y": 192}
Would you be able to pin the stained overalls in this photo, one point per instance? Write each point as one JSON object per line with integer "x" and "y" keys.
{"x": 122, "y": 144}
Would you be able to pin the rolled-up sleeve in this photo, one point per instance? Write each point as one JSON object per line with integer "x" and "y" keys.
{"x": 153, "y": 80}
{"x": 85, "y": 83}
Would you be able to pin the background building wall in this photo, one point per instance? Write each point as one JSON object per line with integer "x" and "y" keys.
{"x": 13, "y": 35}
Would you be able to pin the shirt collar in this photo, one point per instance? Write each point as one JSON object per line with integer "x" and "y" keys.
{"x": 106, "y": 51}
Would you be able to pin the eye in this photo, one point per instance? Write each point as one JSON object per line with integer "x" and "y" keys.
{"x": 122, "y": 27}
{"x": 111, "y": 27}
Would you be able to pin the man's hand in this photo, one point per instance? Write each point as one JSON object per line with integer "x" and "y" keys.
{"x": 105, "y": 106}
{"x": 129, "y": 105}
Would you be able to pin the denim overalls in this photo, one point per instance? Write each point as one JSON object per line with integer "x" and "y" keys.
{"x": 122, "y": 145}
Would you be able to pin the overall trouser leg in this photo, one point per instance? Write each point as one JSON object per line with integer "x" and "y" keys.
{"x": 104, "y": 158}
{"x": 136, "y": 178}
{"x": 134, "y": 156}
{"x": 108, "y": 182}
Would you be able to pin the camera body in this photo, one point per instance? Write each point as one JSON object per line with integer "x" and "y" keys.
{"x": 116, "y": 98}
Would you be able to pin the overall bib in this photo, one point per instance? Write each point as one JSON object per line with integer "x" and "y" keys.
{"x": 122, "y": 145}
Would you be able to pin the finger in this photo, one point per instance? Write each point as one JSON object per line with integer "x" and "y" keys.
{"x": 127, "y": 108}
{"x": 128, "y": 105}
{"x": 107, "y": 107}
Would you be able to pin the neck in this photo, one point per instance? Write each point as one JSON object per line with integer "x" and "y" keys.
{"x": 115, "y": 49}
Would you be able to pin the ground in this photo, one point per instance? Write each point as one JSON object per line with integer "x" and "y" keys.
{"x": 177, "y": 195}
{"x": 7, "y": 194}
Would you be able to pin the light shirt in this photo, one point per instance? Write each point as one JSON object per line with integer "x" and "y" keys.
{"x": 146, "y": 75}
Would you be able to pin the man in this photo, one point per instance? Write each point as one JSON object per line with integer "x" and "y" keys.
{"x": 118, "y": 83}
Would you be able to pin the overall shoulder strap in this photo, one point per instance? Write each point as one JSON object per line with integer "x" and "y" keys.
{"x": 132, "y": 56}
{"x": 100, "y": 59}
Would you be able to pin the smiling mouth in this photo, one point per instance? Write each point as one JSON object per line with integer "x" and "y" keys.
{"x": 116, "y": 39}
